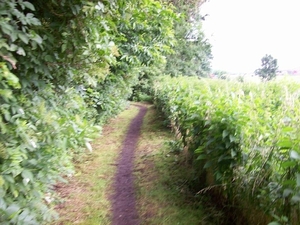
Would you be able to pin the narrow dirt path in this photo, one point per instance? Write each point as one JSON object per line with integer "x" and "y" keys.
{"x": 123, "y": 199}
{"x": 132, "y": 177}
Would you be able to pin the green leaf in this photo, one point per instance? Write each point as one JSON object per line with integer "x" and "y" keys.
{"x": 6, "y": 94}
{"x": 208, "y": 164}
{"x": 37, "y": 38}
{"x": 285, "y": 143}
{"x": 9, "y": 178}
{"x": 33, "y": 162}
{"x": 223, "y": 157}
{"x": 12, "y": 210}
{"x": 1, "y": 181}
{"x": 202, "y": 156}
{"x": 274, "y": 223}
{"x": 287, "y": 192}
{"x": 29, "y": 5}
{"x": 63, "y": 47}
{"x": 21, "y": 51}
{"x": 199, "y": 150}
{"x": 225, "y": 133}
{"x": 13, "y": 47}
{"x": 295, "y": 199}
{"x": 289, "y": 182}
{"x": 288, "y": 164}
{"x": 298, "y": 179}
{"x": 294, "y": 154}
{"x": 14, "y": 36}
{"x": 232, "y": 138}
{"x": 2, "y": 204}
{"x": 6, "y": 28}
{"x": 287, "y": 129}
{"x": 233, "y": 153}
{"x": 27, "y": 175}
{"x": 23, "y": 37}
{"x": 12, "y": 79}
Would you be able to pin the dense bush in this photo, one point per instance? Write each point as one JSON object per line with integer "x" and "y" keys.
{"x": 245, "y": 138}
{"x": 65, "y": 66}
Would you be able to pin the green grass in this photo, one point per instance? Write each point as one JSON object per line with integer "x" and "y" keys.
{"x": 162, "y": 179}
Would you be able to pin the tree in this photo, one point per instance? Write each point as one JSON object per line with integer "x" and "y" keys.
{"x": 192, "y": 53}
{"x": 220, "y": 74}
{"x": 269, "y": 68}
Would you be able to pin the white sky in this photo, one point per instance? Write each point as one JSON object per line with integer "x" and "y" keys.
{"x": 243, "y": 31}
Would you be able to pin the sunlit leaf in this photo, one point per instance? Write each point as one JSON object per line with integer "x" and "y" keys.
{"x": 21, "y": 51}
{"x": 298, "y": 179}
{"x": 29, "y": 5}
{"x": 294, "y": 154}
{"x": 23, "y": 37}
{"x": 225, "y": 133}
{"x": 274, "y": 223}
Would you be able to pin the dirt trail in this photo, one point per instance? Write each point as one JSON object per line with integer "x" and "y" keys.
{"x": 123, "y": 199}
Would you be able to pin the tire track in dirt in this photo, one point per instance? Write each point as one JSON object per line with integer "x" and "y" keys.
{"x": 123, "y": 199}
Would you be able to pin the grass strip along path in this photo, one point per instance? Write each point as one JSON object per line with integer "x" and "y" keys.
{"x": 156, "y": 185}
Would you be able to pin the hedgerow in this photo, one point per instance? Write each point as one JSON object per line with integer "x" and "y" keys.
{"x": 244, "y": 138}
{"x": 66, "y": 66}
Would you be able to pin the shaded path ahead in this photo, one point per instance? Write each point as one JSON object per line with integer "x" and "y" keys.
{"x": 123, "y": 199}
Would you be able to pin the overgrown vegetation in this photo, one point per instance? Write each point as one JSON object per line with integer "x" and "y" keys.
{"x": 244, "y": 141}
{"x": 190, "y": 55}
{"x": 65, "y": 68}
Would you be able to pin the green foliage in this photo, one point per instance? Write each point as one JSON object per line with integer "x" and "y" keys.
{"x": 269, "y": 68}
{"x": 192, "y": 52}
{"x": 143, "y": 90}
{"x": 65, "y": 66}
{"x": 244, "y": 137}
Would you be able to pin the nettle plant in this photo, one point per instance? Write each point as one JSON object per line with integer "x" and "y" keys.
{"x": 245, "y": 136}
